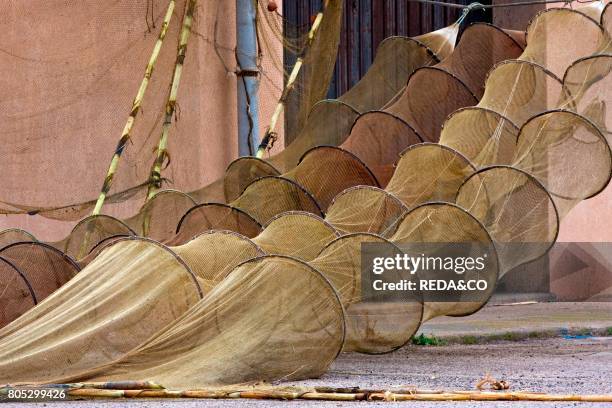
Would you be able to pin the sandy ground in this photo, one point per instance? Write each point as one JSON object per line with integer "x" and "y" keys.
{"x": 553, "y": 365}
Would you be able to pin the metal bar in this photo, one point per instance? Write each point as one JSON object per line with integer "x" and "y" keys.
{"x": 248, "y": 77}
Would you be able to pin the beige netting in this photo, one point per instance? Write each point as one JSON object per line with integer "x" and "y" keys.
{"x": 158, "y": 218}
{"x": 130, "y": 291}
{"x": 375, "y": 322}
{"x": 242, "y": 171}
{"x": 429, "y": 172}
{"x": 518, "y": 90}
{"x": 215, "y": 216}
{"x": 269, "y": 196}
{"x": 365, "y": 209}
{"x": 517, "y": 211}
{"x": 568, "y": 154}
{"x": 417, "y": 113}
{"x": 213, "y": 254}
{"x": 587, "y": 84}
{"x": 89, "y": 232}
{"x": 325, "y": 171}
{"x": 329, "y": 122}
{"x": 451, "y": 227}
{"x": 435, "y": 93}
{"x": 45, "y": 267}
{"x": 12, "y": 235}
{"x": 377, "y": 137}
{"x": 561, "y": 28}
{"x": 16, "y": 294}
{"x": 223, "y": 340}
{"x": 279, "y": 236}
{"x": 483, "y": 136}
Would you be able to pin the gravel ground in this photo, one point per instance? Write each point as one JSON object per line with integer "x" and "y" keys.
{"x": 553, "y": 365}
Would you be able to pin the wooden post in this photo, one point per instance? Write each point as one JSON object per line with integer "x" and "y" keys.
{"x": 125, "y": 135}
{"x": 265, "y": 141}
{"x": 155, "y": 177}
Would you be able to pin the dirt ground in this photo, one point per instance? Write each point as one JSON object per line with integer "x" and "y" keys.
{"x": 553, "y": 365}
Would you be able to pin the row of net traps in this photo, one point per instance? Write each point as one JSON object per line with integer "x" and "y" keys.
{"x": 498, "y": 138}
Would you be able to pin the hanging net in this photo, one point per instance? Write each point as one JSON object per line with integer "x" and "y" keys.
{"x": 90, "y": 84}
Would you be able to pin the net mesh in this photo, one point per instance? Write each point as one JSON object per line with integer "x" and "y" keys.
{"x": 16, "y": 293}
{"x": 45, "y": 268}
{"x": 277, "y": 317}
{"x": 13, "y": 235}
{"x": 90, "y": 84}
{"x": 170, "y": 290}
{"x": 278, "y": 237}
{"x": 214, "y": 216}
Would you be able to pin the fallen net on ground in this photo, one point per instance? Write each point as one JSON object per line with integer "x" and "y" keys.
{"x": 278, "y": 317}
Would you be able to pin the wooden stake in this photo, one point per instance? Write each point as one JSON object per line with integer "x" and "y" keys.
{"x": 270, "y": 133}
{"x": 155, "y": 177}
{"x": 125, "y": 135}
{"x": 152, "y": 390}
{"x": 488, "y": 396}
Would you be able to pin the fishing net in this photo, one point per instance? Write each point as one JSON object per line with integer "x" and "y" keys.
{"x": 568, "y": 154}
{"x": 278, "y": 238}
{"x": 90, "y": 84}
{"x": 440, "y": 226}
{"x": 213, "y": 264}
{"x": 417, "y": 113}
{"x": 277, "y": 317}
{"x": 90, "y": 231}
{"x": 516, "y": 210}
{"x": 330, "y": 121}
{"x": 365, "y": 209}
{"x": 12, "y": 235}
{"x": 121, "y": 304}
{"x": 301, "y": 336}
{"x": 45, "y": 267}
{"x": 324, "y": 172}
{"x": 374, "y": 322}
{"x": 269, "y": 196}
{"x": 158, "y": 218}
{"x": 16, "y": 293}
{"x": 214, "y": 216}
{"x": 519, "y": 89}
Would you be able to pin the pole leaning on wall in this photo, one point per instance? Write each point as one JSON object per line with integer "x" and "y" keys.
{"x": 125, "y": 135}
{"x": 155, "y": 176}
{"x": 270, "y": 133}
{"x": 248, "y": 77}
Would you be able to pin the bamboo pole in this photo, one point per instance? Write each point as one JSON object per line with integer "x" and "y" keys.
{"x": 265, "y": 141}
{"x": 110, "y": 385}
{"x": 272, "y": 394}
{"x": 125, "y": 135}
{"x": 490, "y": 396}
{"x": 155, "y": 177}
